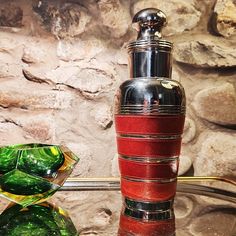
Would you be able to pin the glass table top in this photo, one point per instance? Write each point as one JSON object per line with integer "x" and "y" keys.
{"x": 99, "y": 213}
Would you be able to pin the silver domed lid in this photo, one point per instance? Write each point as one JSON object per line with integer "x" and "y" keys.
{"x": 149, "y": 23}
{"x": 149, "y": 55}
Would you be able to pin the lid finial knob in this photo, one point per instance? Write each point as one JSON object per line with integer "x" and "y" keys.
{"x": 149, "y": 23}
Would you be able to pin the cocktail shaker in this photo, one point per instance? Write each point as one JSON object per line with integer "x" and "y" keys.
{"x": 149, "y": 117}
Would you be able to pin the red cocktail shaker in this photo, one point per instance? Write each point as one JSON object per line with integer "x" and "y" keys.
{"x": 149, "y": 116}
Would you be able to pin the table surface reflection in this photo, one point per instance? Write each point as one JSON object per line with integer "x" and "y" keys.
{"x": 98, "y": 213}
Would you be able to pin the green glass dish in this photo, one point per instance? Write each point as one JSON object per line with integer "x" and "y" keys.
{"x": 30, "y": 173}
{"x": 36, "y": 220}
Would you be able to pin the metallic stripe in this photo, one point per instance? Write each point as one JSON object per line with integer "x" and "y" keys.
{"x": 148, "y": 206}
{"x": 150, "y": 106}
{"x": 167, "y": 109}
{"x": 150, "y": 159}
{"x": 157, "y": 107}
{"x": 158, "y": 112}
{"x": 151, "y": 41}
{"x": 149, "y": 44}
{"x": 149, "y": 216}
{"x": 151, "y": 112}
{"x": 149, "y": 136}
{"x": 150, "y": 180}
{"x": 153, "y": 105}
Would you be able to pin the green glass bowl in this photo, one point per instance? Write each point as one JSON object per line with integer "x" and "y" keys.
{"x": 36, "y": 220}
{"x": 30, "y": 173}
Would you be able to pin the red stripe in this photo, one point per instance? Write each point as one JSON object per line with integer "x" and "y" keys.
{"x": 146, "y": 124}
{"x": 129, "y": 226}
{"x": 167, "y": 170}
{"x": 152, "y": 191}
{"x": 148, "y": 147}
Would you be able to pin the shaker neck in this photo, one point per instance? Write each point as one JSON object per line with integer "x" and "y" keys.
{"x": 150, "y": 55}
{"x": 150, "y": 62}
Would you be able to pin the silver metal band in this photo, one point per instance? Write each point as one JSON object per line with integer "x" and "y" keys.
{"x": 162, "y": 181}
{"x": 144, "y": 44}
{"x": 149, "y": 136}
{"x": 151, "y": 109}
{"x": 148, "y": 216}
{"x": 150, "y": 159}
{"x": 148, "y": 206}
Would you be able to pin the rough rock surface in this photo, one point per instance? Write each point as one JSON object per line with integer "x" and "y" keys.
{"x": 115, "y": 16}
{"x": 183, "y": 206}
{"x": 85, "y": 158}
{"x": 90, "y": 79}
{"x": 103, "y": 116}
{"x": 11, "y": 15}
{"x": 224, "y": 18}
{"x": 29, "y": 98}
{"x": 100, "y": 213}
{"x": 36, "y": 125}
{"x": 206, "y": 52}
{"x": 189, "y": 130}
{"x": 7, "y": 129}
{"x": 63, "y": 20}
{"x": 115, "y": 166}
{"x": 217, "y": 156}
{"x": 36, "y": 52}
{"x": 185, "y": 162}
{"x": 217, "y": 104}
{"x": 182, "y": 15}
{"x": 214, "y": 221}
{"x": 79, "y": 50}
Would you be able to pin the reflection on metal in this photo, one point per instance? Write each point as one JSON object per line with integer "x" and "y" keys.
{"x": 230, "y": 180}
{"x": 87, "y": 184}
{"x": 185, "y": 185}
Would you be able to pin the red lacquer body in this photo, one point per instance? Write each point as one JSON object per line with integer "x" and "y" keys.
{"x": 149, "y": 163}
{"x": 149, "y": 124}
{"x": 133, "y": 227}
{"x": 148, "y": 147}
{"x": 149, "y": 170}
{"x": 148, "y": 191}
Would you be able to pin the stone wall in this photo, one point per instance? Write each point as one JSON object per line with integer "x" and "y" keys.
{"x": 62, "y": 61}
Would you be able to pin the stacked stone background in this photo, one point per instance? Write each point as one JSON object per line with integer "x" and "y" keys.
{"x": 62, "y": 61}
